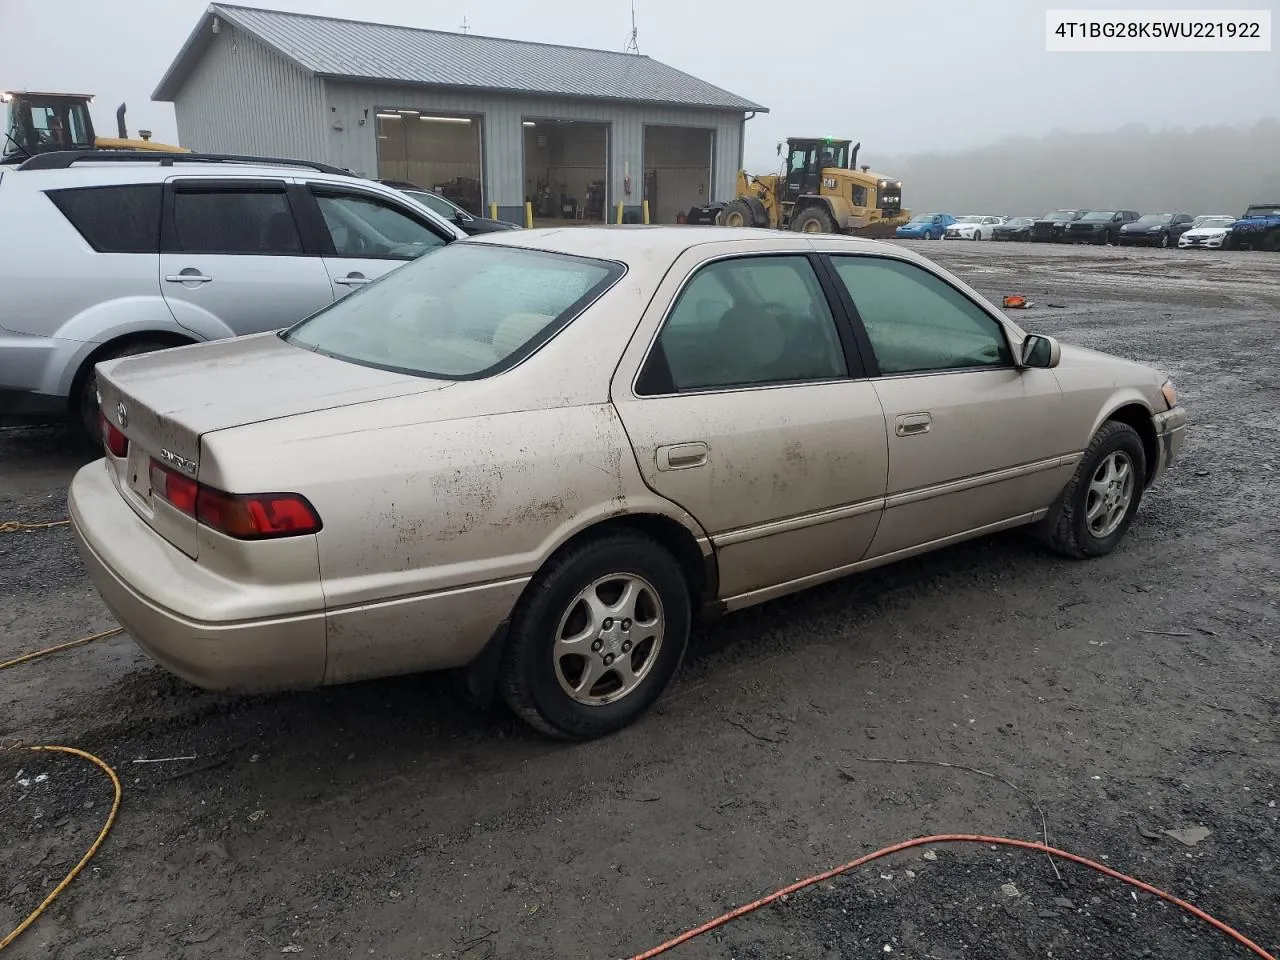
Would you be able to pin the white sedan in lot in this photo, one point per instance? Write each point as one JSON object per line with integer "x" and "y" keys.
{"x": 1210, "y": 232}
{"x": 973, "y": 227}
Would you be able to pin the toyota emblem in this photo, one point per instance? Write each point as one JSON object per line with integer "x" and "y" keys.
{"x": 122, "y": 415}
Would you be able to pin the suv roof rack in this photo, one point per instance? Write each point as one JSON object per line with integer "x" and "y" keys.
{"x": 63, "y": 159}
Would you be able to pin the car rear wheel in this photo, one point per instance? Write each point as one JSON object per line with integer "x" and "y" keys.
{"x": 597, "y": 637}
{"x": 1099, "y": 502}
{"x": 86, "y": 419}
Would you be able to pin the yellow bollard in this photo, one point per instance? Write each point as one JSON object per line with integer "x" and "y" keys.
{"x": 528, "y": 214}
{"x": 493, "y": 211}
{"x": 619, "y": 220}
{"x": 645, "y": 205}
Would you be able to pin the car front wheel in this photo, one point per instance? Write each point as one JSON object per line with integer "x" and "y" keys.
{"x": 597, "y": 637}
{"x": 1098, "y": 504}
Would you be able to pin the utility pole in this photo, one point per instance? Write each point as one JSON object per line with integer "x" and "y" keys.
{"x": 466, "y": 27}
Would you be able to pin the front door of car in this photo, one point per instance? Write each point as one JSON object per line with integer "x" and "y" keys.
{"x": 975, "y": 440}
{"x": 746, "y": 405}
{"x": 365, "y": 235}
{"x": 232, "y": 257}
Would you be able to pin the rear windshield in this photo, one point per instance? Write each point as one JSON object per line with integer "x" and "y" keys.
{"x": 458, "y": 312}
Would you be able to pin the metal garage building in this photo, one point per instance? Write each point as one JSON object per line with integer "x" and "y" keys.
{"x": 484, "y": 120}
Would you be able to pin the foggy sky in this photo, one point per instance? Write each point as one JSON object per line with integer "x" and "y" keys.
{"x": 911, "y": 77}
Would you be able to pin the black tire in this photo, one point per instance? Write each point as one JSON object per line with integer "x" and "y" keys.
{"x": 528, "y": 679}
{"x": 84, "y": 412}
{"x": 1066, "y": 529}
{"x": 815, "y": 217}
{"x": 738, "y": 213}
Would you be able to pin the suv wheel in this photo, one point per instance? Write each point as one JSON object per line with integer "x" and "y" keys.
{"x": 85, "y": 415}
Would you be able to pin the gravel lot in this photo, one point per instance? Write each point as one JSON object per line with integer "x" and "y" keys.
{"x": 1131, "y": 695}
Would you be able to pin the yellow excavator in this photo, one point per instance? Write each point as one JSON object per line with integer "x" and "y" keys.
{"x": 43, "y": 122}
{"x": 820, "y": 189}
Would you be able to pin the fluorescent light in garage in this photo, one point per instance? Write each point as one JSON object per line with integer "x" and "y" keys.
{"x": 389, "y": 116}
{"x": 529, "y": 123}
{"x": 409, "y": 113}
{"x": 446, "y": 119}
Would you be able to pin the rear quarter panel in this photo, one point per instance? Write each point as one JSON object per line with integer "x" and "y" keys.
{"x": 437, "y": 508}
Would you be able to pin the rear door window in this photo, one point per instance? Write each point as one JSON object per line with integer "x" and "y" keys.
{"x": 248, "y": 221}
{"x": 116, "y": 219}
{"x": 371, "y": 228}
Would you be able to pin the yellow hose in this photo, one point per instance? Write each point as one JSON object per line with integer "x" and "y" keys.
{"x": 62, "y": 646}
{"x": 13, "y": 526}
{"x": 102, "y": 764}
{"x": 102, "y": 835}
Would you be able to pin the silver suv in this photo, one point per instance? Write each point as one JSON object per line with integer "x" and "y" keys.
{"x": 105, "y": 255}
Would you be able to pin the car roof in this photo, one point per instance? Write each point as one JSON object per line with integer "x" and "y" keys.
{"x": 631, "y": 242}
{"x": 102, "y": 172}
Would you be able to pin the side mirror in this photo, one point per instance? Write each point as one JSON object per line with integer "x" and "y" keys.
{"x": 1040, "y": 351}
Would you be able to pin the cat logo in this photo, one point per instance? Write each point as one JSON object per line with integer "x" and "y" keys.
{"x": 828, "y": 183}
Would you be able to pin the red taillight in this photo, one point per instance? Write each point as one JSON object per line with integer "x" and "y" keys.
{"x": 254, "y": 516}
{"x": 117, "y": 443}
{"x": 182, "y": 492}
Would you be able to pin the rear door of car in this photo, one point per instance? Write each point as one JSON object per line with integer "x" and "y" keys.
{"x": 364, "y": 234}
{"x": 233, "y": 259}
{"x": 974, "y": 439}
{"x": 746, "y": 404}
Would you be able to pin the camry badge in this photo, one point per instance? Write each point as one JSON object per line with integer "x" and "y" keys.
{"x": 122, "y": 415}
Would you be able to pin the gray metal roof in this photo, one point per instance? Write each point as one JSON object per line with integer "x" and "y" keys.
{"x": 352, "y": 49}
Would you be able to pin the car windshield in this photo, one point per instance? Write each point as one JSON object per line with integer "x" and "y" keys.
{"x": 1155, "y": 218}
{"x": 459, "y": 311}
{"x": 1060, "y": 215}
{"x": 1214, "y": 221}
{"x": 433, "y": 202}
{"x": 922, "y": 218}
{"x": 1099, "y": 215}
{"x": 1263, "y": 211}
{"x": 968, "y": 219}
{"x": 1018, "y": 222}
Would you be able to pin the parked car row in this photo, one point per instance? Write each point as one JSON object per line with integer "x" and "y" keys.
{"x": 1258, "y": 229}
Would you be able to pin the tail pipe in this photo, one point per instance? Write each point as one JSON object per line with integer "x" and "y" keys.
{"x": 124, "y": 131}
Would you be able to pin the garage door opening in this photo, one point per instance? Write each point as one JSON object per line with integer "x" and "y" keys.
{"x": 565, "y": 170}
{"x": 677, "y": 170}
{"x": 440, "y": 153}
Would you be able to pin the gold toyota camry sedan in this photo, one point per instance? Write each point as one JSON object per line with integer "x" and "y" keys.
{"x": 541, "y": 457}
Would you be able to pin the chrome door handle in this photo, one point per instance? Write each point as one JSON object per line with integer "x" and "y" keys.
{"x": 188, "y": 278}
{"x": 682, "y": 456}
{"x": 353, "y": 280}
{"x": 911, "y": 424}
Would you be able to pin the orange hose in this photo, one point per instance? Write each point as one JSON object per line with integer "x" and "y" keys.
{"x": 952, "y": 838}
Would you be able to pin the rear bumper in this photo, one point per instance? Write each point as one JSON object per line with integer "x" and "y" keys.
{"x": 1171, "y": 428}
{"x": 122, "y": 554}
{"x": 169, "y": 603}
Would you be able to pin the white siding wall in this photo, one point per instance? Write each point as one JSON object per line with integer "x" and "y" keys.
{"x": 355, "y": 146}
{"x": 244, "y": 98}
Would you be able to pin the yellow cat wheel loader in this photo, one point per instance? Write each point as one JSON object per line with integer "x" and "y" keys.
{"x": 44, "y": 122}
{"x": 819, "y": 190}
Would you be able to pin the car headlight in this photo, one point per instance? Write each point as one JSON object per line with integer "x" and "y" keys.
{"x": 1170, "y": 394}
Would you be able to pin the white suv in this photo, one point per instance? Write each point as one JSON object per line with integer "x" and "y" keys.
{"x": 105, "y": 254}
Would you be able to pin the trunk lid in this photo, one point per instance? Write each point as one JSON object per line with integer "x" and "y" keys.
{"x": 165, "y": 402}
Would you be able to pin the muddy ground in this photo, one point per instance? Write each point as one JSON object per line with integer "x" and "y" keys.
{"x": 1131, "y": 695}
